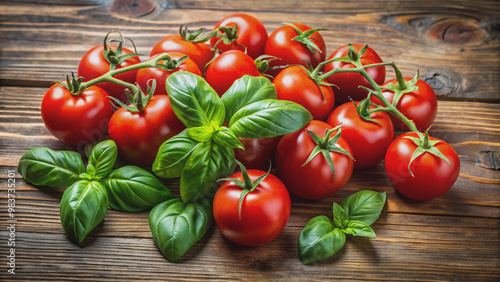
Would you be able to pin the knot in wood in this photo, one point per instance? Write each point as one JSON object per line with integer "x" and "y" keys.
{"x": 457, "y": 31}
{"x": 132, "y": 8}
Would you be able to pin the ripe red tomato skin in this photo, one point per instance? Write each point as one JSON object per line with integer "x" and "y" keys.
{"x": 200, "y": 53}
{"x": 348, "y": 83}
{"x": 420, "y": 105}
{"x": 315, "y": 180}
{"x": 258, "y": 153}
{"x": 138, "y": 136}
{"x": 228, "y": 67}
{"x": 93, "y": 64}
{"x": 432, "y": 176}
{"x": 280, "y": 44}
{"x": 295, "y": 85}
{"x": 264, "y": 212}
{"x": 161, "y": 75}
{"x": 251, "y": 33}
{"x": 368, "y": 140}
{"x": 76, "y": 120}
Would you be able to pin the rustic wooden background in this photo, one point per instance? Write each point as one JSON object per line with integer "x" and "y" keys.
{"x": 454, "y": 44}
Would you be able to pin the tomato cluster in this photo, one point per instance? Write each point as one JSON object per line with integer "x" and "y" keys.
{"x": 312, "y": 163}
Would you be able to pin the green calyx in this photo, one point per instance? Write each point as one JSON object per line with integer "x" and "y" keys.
{"x": 73, "y": 84}
{"x": 170, "y": 64}
{"x": 115, "y": 57}
{"x": 363, "y": 109}
{"x": 305, "y": 38}
{"x": 227, "y": 35}
{"x": 425, "y": 145}
{"x": 327, "y": 144}
{"x": 139, "y": 100}
{"x": 262, "y": 63}
{"x": 353, "y": 57}
{"x": 247, "y": 184}
{"x": 195, "y": 36}
{"x": 402, "y": 87}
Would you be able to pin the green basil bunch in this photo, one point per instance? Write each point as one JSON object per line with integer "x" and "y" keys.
{"x": 204, "y": 151}
{"x": 94, "y": 188}
{"x": 321, "y": 238}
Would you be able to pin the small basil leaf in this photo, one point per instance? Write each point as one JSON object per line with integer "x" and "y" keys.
{"x": 207, "y": 164}
{"x": 247, "y": 90}
{"x": 102, "y": 158}
{"x": 269, "y": 118}
{"x": 364, "y": 206}
{"x": 358, "y": 228}
{"x": 200, "y": 133}
{"x": 44, "y": 167}
{"x": 193, "y": 101}
{"x": 339, "y": 216}
{"x": 134, "y": 189}
{"x": 319, "y": 240}
{"x": 226, "y": 138}
{"x": 176, "y": 227}
{"x": 83, "y": 206}
{"x": 173, "y": 155}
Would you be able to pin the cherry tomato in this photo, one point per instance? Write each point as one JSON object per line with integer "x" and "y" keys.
{"x": 419, "y": 105}
{"x": 264, "y": 211}
{"x": 314, "y": 180}
{"x": 294, "y": 84}
{"x": 432, "y": 175}
{"x": 291, "y": 52}
{"x": 161, "y": 75}
{"x": 200, "y": 53}
{"x": 258, "y": 153}
{"x": 348, "y": 83}
{"x": 228, "y": 67}
{"x": 251, "y": 34}
{"x": 93, "y": 64}
{"x": 76, "y": 120}
{"x": 139, "y": 135}
{"x": 368, "y": 140}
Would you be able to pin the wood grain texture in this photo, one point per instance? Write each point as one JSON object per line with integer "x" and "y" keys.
{"x": 456, "y": 237}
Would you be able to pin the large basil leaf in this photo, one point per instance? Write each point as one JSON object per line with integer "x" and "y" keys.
{"x": 319, "y": 240}
{"x": 194, "y": 102}
{"x": 358, "y": 228}
{"x": 102, "y": 158}
{"x": 245, "y": 91}
{"x": 173, "y": 155}
{"x": 133, "y": 189}
{"x": 45, "y": 167}
{"x": 269, "y": 118}
{"x": 83, "y": 206}
{"x": 364, "y": 206}
{"x": 207, "y": 164}
{"x": 176, "y": 227}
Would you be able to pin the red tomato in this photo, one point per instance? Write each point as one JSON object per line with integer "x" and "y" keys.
{"x": 93, "y": 64}
{"x": 200, "y": 53}
{"x": 264, "y": 211}
{"x": 348, "y": 83}
{"x": 294, "y": 84}
{"x": 161, "y": 75}
{"x": 228, "y": 67}
{"x": 290, "y": 52}
{"x": 258, "y": 153}
{"x": 76, "y": 120}
{"x": 432, "y": 175}
{"x": 314, "y": 180}
{"x": 368, "y": 140}
{"x": 419, "y": 105}
{"x": 251, "y": 34}
{"x": 139, "y": 135}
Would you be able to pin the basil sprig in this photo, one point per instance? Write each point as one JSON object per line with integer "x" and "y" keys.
{"x": 204, "y": 152}
{"x": 93, "y": 189}
{"x": 321, "y": 238}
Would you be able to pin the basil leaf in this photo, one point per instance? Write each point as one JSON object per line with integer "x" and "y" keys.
{"x": 83, "y": 206}
{"x": 358, "y": 228}
{"x": 176, "y": 227}
{"x": 44, "y": 167}
{"x": 207, "y": 164}
{"x": 173, "y": 155}
{"x": 201, "y": 133}
{"x": 247, "y": 90}
{"x": 102, "y": 158}
{"x": 134, "y": 189}
{"x": 319, "y": 240}
{"x": 193, "y": 101}
{"x": 364, "y": 206}
{"x": 269, "y": 118}
{"x": 226, "y": 138}
{"x": 339, "y": 216}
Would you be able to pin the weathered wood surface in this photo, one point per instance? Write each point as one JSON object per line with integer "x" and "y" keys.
{"x": 454, "y": 45}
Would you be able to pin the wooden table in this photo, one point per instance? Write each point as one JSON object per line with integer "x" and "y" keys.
{"x": 454, "y": 45}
